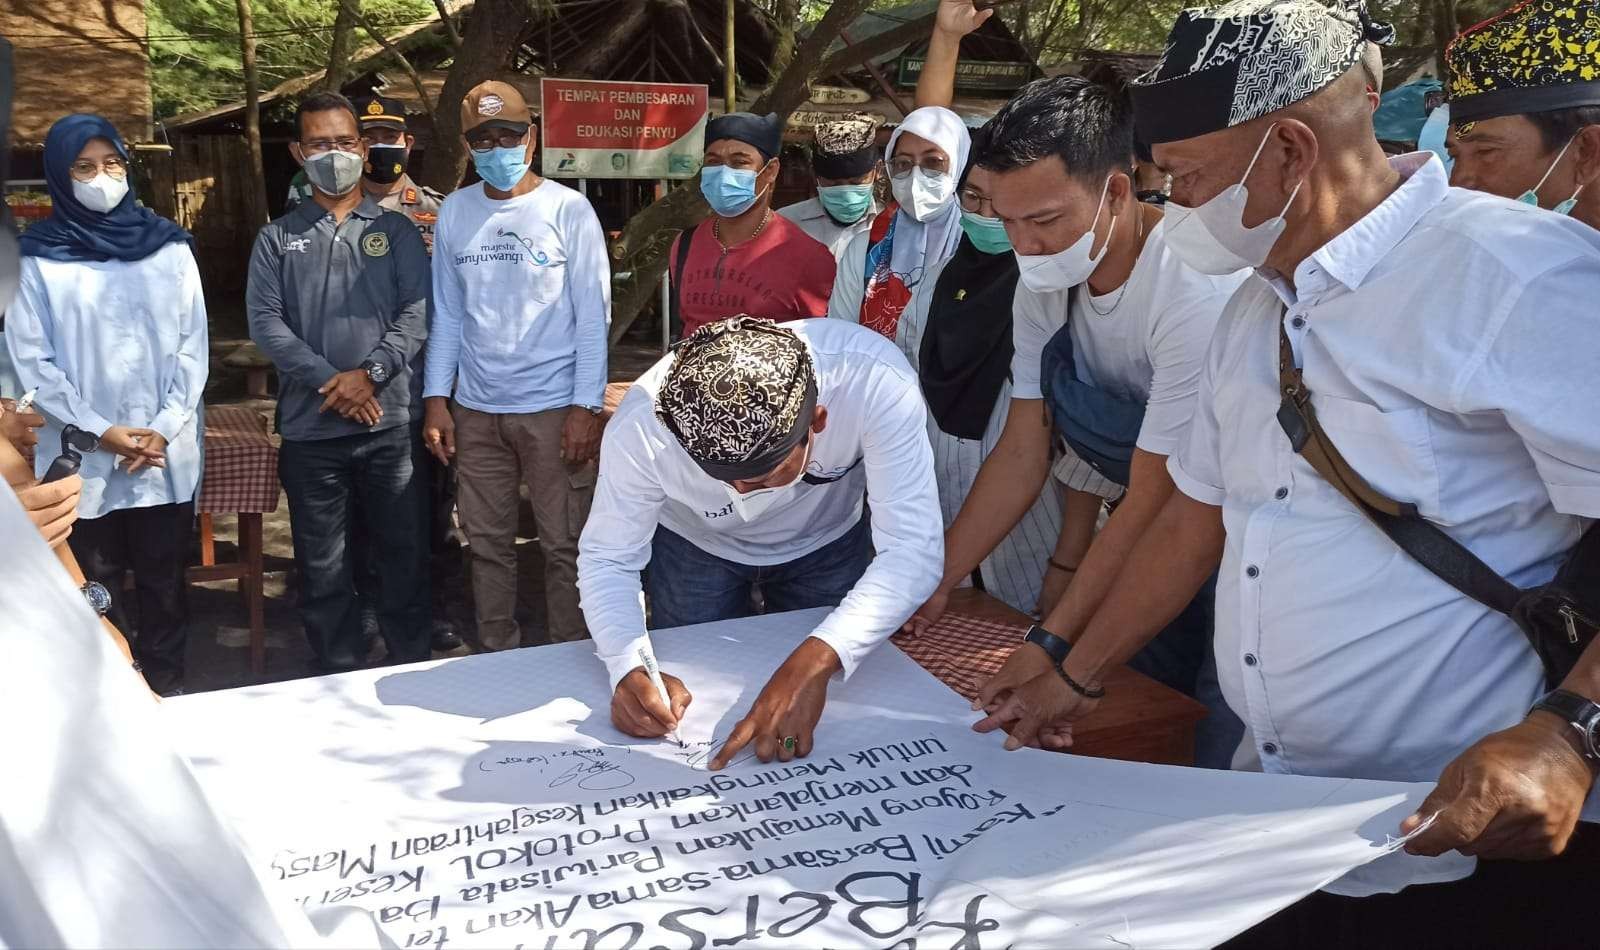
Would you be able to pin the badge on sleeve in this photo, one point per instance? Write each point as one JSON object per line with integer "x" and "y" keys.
{"x": 375, "y": 244}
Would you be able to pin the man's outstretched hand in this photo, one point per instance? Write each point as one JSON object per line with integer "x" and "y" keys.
{"x": 1515, "y": 794}
{"x": 788, "y": 707}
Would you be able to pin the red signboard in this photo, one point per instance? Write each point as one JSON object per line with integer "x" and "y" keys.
{"x": 622, "y": 129}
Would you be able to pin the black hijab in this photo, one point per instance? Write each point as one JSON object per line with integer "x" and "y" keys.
{"x": 966, "y": 346}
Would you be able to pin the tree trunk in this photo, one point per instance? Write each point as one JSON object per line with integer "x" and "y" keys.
{"x": 642, "y": 248}
{"x": 787, "y": 14}
{"x": 256, "y": 206}
{"x": 339, "y": 47}
{"x": 1444, "y": 29}
{"x": 492, "y": 32}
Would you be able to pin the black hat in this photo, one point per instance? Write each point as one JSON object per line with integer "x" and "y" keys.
{"x": 378, "y": 112}
{"x": 764, "y": 133}
{"x": 1226, "y": 65}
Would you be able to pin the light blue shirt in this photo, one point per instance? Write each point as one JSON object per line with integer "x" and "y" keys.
{"x": 111, "y": 343}
{"x": 521, "y": 302}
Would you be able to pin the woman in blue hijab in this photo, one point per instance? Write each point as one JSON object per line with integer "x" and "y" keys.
{"x": 109, "y": 326}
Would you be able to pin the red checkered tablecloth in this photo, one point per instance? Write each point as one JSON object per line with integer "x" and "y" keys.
{"x": 241, "y": 472}
{"x": 963, "y": 652}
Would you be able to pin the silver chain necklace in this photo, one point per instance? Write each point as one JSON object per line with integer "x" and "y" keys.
{"x": 1122, "y": 291}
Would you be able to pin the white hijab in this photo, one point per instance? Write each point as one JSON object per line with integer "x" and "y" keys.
{"x": 920, "y": 245}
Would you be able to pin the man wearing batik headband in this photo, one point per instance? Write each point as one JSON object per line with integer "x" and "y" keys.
{"x": 1447, "y": 343}
{"x": 845, "y": 165}
{"x": 743, "y": 459}
{"x": 1525, "y": 106}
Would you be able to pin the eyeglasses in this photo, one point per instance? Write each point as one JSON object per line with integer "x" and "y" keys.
{"x": 317, "y": 146}
{"x": 901, "y": 165}
{"x": 86, "y": 170}
{"x": 976, "y": 202}
{"x": 494, "y": 138}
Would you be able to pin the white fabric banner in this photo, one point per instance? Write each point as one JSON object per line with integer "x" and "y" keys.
{"x": 487, "y": 801}
{"x": 106, "y": 839}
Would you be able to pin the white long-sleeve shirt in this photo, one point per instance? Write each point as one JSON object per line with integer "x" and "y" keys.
{"x": 521, "y": 301}
{"x": 874, "y": 446}
{"x": 111, "y": 343}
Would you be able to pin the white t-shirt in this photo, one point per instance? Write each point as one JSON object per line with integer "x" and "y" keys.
{"x": 874, "y": 444}
{"x": 521, "y": 301}
{"x": 1144, "y": 341}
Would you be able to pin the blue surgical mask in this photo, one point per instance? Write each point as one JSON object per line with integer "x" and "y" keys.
{"x": 729, "y": 191}
{"x": 986, "y": 234}
{"x": 845, "y": 204}
{"x": 1531, "y": 196}
{"x": 502, "y": 168}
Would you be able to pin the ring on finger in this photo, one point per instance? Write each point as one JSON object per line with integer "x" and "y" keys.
{"x": 790, "y": 742}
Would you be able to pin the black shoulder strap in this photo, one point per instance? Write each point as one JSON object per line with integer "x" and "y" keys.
{"x": 1420, "y": 538}
{"x": 680, "y": 260}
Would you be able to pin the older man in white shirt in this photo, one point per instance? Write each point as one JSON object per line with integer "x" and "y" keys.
{"x": 745, "y": 458}
{"x": 1447, "y": 340}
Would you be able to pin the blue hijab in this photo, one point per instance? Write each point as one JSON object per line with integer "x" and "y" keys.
{"x": 127, "y": 232}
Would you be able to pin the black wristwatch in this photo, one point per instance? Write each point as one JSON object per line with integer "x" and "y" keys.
{"x": 376, "y": 372}
{"x": 98, "y": 597}
{"x": 1048, "y": 642}
{"x": 1581, "y": 714}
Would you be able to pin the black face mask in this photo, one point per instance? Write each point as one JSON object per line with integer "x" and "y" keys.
{"x": 386, "y": 163}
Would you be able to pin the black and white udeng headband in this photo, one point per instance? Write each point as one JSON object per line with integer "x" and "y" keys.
{"x": 739, "y": 396}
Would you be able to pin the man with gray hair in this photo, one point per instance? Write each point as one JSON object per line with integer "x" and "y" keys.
{"x": 743, "y": 459}
{"x": 1406, "y": 344}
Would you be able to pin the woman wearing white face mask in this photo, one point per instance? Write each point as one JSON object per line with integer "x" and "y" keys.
{"x": 109, "y": 325}
{"x": 926, "y": 155}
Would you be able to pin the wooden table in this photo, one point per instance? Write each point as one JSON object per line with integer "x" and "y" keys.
{"x": 1140, "y": 720}
{"x": 241, "y": 477}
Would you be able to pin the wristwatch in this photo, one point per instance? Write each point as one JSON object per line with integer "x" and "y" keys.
{"x": 1581, "y": 714}
{"x": 376, "y": 372}
{"x": 98, "y": 597}
{"x": 591, "y": 410}
{"x": 1055, "y": 646}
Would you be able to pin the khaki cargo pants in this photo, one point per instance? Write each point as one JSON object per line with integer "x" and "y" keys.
{"x": 495, "y": 455}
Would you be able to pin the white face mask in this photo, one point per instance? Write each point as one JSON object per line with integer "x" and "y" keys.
{"x": 1213, "y": 238}
{"x": 100, "y": 193}
{"x": 1071, "y": 266}
{"x": 752, "y": 505}
{"x": 923, "y": 194}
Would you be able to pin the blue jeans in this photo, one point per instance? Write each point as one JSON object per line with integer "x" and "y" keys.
{"x": 686, "y": 585}
{"x": 1181, "y": 657}
{"x": 324, "y": 479}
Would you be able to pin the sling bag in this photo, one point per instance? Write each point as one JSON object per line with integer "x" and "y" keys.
{"x": 1100, "y": 427}
{"x": 1557, "y": 618}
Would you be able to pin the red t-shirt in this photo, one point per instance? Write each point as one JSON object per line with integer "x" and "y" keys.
{"x": 782, "y": 273}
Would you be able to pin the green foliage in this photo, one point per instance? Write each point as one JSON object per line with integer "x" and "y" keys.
{"x": 194, "y": 44}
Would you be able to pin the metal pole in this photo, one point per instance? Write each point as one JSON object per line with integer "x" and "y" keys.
{"x": 583, "y": 187}
{"x": 730, "y": 94}
{"x": 666, "y": 290}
